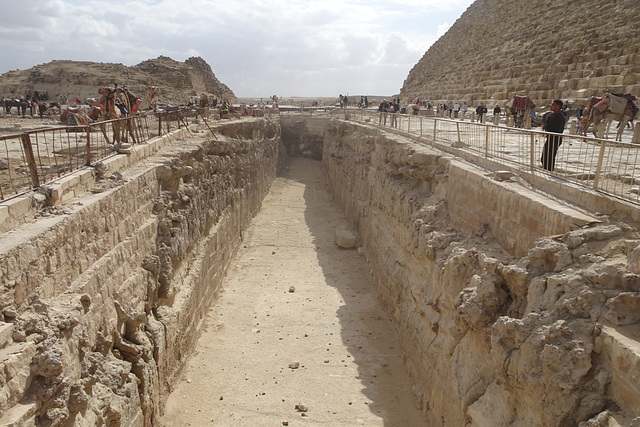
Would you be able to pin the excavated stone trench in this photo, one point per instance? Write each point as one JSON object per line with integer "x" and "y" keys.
{"x": 504, "y": 307}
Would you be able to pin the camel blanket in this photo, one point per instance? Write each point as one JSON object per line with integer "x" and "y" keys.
{"x": 617, "y": 103}
{"x": 603, "y": 104}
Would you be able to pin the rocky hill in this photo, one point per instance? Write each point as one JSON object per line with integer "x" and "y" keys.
{"x": 546, "y": 49}
{"x": 177, "y": 81}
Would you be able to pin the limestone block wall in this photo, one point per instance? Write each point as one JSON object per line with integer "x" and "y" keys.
{"x": 516, "y": 217}
{"x": 488, "y": 337}
{"x": 546, "y": 49}
{"x": 101, "y": 308}
{"x": 302, "y": 137}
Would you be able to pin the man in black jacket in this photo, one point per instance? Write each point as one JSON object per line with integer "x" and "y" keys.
{"x": 382, "y": 108}
{"x": 481, "y": 111}
{"x": 554, "y": 123}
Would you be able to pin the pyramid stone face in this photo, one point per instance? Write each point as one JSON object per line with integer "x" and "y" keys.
{"x": 546, "y": 49}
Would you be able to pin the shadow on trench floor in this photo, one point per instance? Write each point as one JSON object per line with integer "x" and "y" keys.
{"x": 296, "y": 336}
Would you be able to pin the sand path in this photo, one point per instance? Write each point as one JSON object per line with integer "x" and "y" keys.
{"x": 350, "y": 371}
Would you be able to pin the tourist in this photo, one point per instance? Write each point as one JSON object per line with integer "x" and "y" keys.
{"x": 464, "y": 109}
{"x": 480, "y": 111}
{"x": 392, "y": 111}
{"x": 382, "y": 108}
{"x": 497, "y": 110}
{"x": 579, "y": 115}
{"x": 456, "y": 110}
{"x": 553, "y": 122}
{"x": 396, "y": 111}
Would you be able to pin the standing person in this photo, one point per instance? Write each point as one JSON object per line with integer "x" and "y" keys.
{"x": 480, "y": 111}
{"x": 464, "y": 109}
{"x": 392, "y": 115}
{"x": 553, "y": 122}
{"x": 382, "y": 108}
{"x": 579, "y": 116}
{"x": 496, "y": 114}
{"x": 456, "y": 109}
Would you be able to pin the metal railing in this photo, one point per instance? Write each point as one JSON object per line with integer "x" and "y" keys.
{"x": 35, "y": 157}
{"x": 599, "y": 164}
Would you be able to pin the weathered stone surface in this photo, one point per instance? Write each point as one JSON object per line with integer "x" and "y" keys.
{"x": 176, "y": 81}
{"x": 303, "y": 138}
{"x": 493, "y": 334}
{"x": 545, "y": 49}
{"x": 107, "y": 302}
{"x": 345, "y": 238}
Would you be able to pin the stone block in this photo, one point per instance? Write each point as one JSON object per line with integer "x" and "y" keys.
{"x": 20, "y": 415}
{"x": 20, "y": 206}
{"x": 86, "y": 178}
{"x": 15, "y": 363}
{"x": 67, "y": 196}
{"x": 6, "y": 331}
{"x": 624, "y": 353}
{"x": 345, "y": 238}
{"x": 4, "y": 213}
{"x": 503, "y": 175}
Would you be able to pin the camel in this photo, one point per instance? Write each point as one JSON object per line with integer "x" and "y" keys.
{"x": 600, "y": 109}
{"x": 43, "y": 107}
{"x": 204, "y": 100}
{"x": 115, "y": 103}
{"x": 152, "y": 91}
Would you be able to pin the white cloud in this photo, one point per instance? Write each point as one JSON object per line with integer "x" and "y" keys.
{"x": 256, "y": 47}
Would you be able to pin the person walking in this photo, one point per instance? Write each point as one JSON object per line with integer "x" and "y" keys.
{"x": 553, "y": 122}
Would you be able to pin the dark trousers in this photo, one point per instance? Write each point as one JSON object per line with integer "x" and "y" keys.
{"x": 549, "y": 151}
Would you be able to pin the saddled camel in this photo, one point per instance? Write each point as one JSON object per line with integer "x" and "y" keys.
{"x": 116, "y": 103}
{"x": 597, "y": 115}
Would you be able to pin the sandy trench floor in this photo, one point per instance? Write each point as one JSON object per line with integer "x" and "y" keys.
{"x": 243, "y": 372}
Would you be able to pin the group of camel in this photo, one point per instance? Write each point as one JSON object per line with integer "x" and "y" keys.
{"x": 24, "y": 104}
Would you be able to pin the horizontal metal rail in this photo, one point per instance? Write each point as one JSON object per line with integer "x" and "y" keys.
{"x": 35, "y": 157}
{"x": 32, "y": 158}
{"x": 600, "y": 164}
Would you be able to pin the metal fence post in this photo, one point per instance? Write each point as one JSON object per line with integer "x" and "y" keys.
{"x": 88, "y": 145}
{"x": 435, "y": 126}
{"x": 486, "y": 139}
{"x": 531, "y": 148}
{"x": 31, "y": 159}
{"x": 596, "y": 179}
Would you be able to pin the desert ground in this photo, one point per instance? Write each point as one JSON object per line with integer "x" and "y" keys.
{"x": 297, "y": 336}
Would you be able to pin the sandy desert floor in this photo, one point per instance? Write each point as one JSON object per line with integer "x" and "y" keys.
{"x": 296, "y": 337}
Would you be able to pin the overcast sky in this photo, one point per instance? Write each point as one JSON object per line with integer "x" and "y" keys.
{"x": 256, "y": 47}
